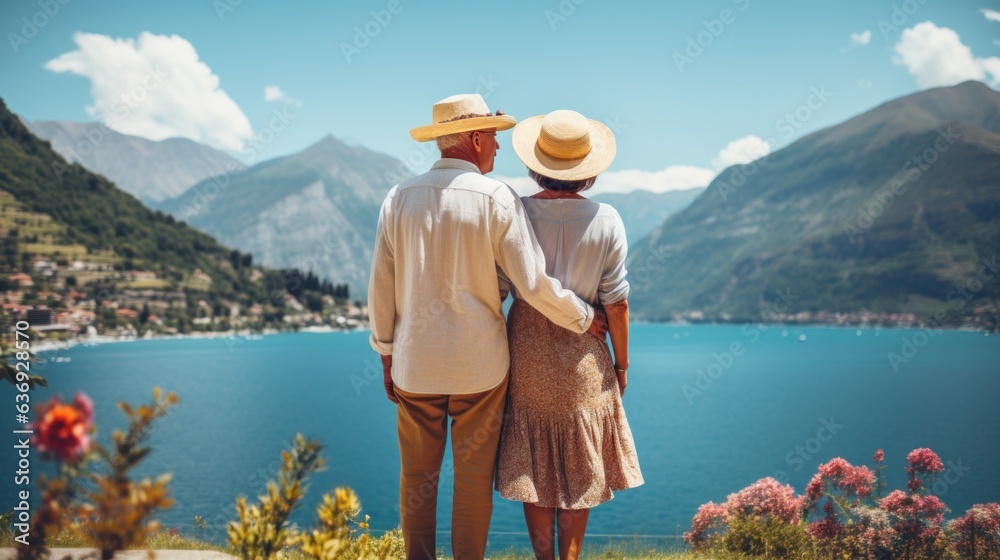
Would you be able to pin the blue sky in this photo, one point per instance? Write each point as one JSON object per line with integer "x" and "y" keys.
{"x": 688, "y": 88}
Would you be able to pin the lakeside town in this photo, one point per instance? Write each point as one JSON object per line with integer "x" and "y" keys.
{"x": 69, "y": 293}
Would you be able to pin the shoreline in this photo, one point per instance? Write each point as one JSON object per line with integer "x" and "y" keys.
{"x": 56, "y": 345}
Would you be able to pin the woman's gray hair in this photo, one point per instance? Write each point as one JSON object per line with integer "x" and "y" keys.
{"x": 550, "y": 184}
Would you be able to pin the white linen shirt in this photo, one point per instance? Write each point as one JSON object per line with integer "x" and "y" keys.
{"x": 434, "y": 297}
{"x": 584, "y": 245}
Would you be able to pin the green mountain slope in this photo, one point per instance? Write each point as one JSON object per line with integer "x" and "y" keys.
{"x": 315, "y": 210}
{"x": 642, "y": 211}
{"x": 892, "y": 211}
{"x": 102, "y": 217}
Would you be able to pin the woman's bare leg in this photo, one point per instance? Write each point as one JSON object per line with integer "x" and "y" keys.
{"x": 542, "y": 530}
{"x": 572, "y": 525}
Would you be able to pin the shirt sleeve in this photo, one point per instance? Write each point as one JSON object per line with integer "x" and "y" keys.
{"x": 382, "y": 287}
{"x": 503, "y": 282}
{"x": 521, "y": 259}
{"x": 614, "y": 287}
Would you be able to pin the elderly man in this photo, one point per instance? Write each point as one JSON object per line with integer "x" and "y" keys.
{"x": 437, "y": 321}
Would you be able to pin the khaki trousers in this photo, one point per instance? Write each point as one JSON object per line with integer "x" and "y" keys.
{"x": 421, "y": 421}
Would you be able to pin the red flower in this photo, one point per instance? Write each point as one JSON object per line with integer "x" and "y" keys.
{"x": 859, "y": 481}
{"x": 710, "y": 516}
{"x": 830, "y": 527}
{"x": 978, "y": 529}
{"x": 924, "y": 461}
{"x": 63, "y": 429}
{"x": 879, "y": 456}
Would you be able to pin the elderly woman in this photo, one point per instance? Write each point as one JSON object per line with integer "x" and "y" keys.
{"x": 565, "y": 444}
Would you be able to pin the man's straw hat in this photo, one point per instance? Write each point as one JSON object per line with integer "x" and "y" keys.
{"x": 564, "y": 145}
{"x": 461, "y": 113}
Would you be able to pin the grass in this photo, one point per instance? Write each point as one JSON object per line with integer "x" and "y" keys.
{"x": 148, "y": 284}
{"x": 72, "y": 537}
{"x": 75, "y": 250}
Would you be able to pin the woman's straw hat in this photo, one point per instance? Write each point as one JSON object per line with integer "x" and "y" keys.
{"x": 461, "y": 113}
{"x": 564, "y": 145}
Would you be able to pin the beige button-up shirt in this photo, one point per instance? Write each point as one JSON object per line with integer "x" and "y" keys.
{"x": 433, "y": 296}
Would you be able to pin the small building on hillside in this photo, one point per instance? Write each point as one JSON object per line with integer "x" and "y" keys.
{"x": 22, "y": 279}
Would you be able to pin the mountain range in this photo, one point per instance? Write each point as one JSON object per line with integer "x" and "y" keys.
{"x": 643, "y": 211}
{"x": 315, "y": 210}
{"x": 89, "y": 210}
{"x": 894, "y": 210}
{"x": 152, "y": 171}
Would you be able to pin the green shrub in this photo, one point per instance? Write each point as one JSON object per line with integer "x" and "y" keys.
{"x": 767, "y": 537}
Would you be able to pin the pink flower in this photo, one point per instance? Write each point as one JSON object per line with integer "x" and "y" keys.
{"x": 766, "y": 497}
{"x": 851, "y": 480}
{"x": 924, "y": 461}
{"x": 710, "y": 516}
{"x": 978, "y": 530}
{"x": 912, "y": 517}
{"x": 879, "y": 456}
{"x": 814, "y": 490}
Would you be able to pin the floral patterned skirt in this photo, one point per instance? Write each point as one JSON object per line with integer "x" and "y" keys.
{"x": 565, "y": 441}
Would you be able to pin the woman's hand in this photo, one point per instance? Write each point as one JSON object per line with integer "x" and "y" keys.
{"x": 622, "y": 375}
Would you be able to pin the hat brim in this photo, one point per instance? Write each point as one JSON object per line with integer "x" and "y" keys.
{"x": 432, "y": 131}
{"x": 602, "y": 152}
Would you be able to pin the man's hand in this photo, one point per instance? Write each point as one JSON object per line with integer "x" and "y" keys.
{"x": 390, "y": 390}
{"x": 599, "y": 326}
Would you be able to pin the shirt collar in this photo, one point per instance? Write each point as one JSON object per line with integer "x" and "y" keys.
{"x": 455, "y": 163}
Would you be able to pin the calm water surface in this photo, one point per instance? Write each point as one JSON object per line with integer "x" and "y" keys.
{"x": 706, "y": 421}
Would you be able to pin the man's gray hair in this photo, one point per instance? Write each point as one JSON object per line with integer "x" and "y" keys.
{"x": 450, "y": 140}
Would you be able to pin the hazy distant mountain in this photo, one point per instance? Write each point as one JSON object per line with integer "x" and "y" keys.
{"x": 643, "y": 211}
{"x": 315, "y": 210}
{"x": 152, "y": 171}
{"x": 892, "y": 210}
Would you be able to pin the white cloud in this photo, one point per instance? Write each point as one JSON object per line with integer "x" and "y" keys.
{"x": 155, "y": 87}
{"x": 275, "y": 93}
{"x": 991, "y": 15}
{"x": 743, "y": 150}
{"x": 862, "y": 38}
{"x": 673, "y": 178}
{"x": 936, "y": 56}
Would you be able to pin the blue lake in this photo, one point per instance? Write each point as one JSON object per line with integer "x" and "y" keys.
{"x": 766, "y": 403}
